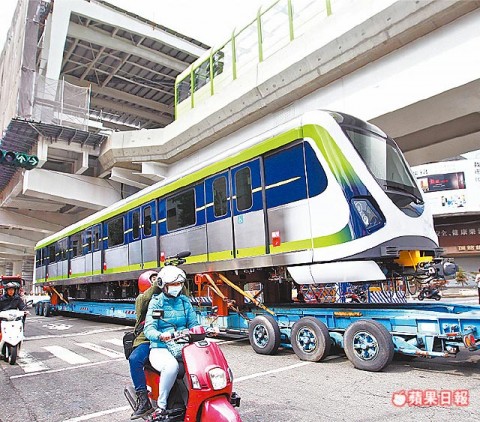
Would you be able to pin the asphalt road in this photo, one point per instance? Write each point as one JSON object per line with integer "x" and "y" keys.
{"x": 74, "y": 370}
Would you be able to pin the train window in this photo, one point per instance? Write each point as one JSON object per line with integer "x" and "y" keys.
{"x": 285, "y": 176}
{"x": 96, "y": 238}
{"x": 38, "y": 258}
{"x": 88, "y": 241}
{"x": 136, "y": 224}
{"x": 181, "y": 210}
{"x": 62, "y": 250}
{"x": 243, "y": 189}
{"x": 76, "y": 249}
{"x": 147, "y": 221}
{"x": 220, "y": 196}
{"x": 115, "y": 230}
{"x": 51, "y": 253}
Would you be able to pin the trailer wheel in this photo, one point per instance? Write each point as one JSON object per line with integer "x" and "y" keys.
{"x": 264, "y": 335}
{"x": 368, "y": 345}
{"x": 310, "y": 339}
{"x": 46, "y": 309}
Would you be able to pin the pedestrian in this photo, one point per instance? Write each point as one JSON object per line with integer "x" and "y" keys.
{"x": 477, "y": 280}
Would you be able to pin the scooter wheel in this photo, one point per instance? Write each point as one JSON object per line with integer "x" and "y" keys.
{"x": 436, "y": 297}
{"x": 13, "y": 354}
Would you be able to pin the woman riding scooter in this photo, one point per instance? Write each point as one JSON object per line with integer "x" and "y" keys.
{"x": 178, "y": 314}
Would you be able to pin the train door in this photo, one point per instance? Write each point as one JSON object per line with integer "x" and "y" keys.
{"x": 248, "y": 210}
{"x": 286, "y": 197}
{"x": 97, "y": 249}
{"x": 77, "y": 260}
{"x": 149, "y": 236}
{"x": 134, "y": 240}
{"x": 87, "y": 251}
{"x": 219, "y": 217}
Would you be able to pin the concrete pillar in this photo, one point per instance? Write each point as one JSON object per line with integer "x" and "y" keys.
{"x": 17, "y": 268}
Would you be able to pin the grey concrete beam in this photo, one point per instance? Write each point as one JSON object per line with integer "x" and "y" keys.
{"x": 124, "y": 96}
{"x": 102, "y": 39}
{"x": 17, "y": 220}
{"x": 73, "y": 189}
{"x": 8, "y": 239}
{"x": 123, "y": 108}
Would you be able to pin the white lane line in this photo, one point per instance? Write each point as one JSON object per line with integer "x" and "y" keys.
{"x": 273, "y": 371}
{"x": 97, "y": 414}
{"x": 66, "y": 355}
{"x": 52, "y": 371}
{"x": 100, "y": 349}
{"x": 115, "y": 341}
{"x": 121, "y": 409}
{"x": 83, "y": 333}
{"x": 29, "y": 364}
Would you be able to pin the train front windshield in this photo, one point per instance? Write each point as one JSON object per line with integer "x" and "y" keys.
{"x": 384, "y": 160}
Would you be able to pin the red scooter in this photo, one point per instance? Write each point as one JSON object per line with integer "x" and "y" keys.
{"x": 203, "y": 389}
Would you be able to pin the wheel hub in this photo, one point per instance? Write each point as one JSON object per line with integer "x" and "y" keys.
{"x": 365, "y": 345}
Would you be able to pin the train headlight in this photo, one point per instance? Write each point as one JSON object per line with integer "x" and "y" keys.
{"x": 367, "y": 213}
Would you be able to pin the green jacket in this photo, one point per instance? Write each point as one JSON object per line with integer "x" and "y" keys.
{"x": 141, "y": 306}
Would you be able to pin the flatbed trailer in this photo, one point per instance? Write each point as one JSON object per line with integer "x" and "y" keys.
{"x": 370, "y": 334}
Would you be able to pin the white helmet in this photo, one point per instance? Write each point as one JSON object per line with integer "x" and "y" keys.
{"x": 170, "y": 274}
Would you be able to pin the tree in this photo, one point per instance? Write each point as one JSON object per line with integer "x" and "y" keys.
{"x": 461, "y": 276}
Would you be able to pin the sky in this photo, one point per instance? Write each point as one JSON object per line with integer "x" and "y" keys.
{"x": 209, "y": 21}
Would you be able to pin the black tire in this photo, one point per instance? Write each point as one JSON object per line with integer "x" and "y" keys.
{"x": 264, "y": 335}
{"x": 13, "y": 351}
{"x": 4, "y": 352}
{"x": 310, "y": 339}
{"x": 368, "y": 345}
{"x": 36, "y": 308}
{"x": 420, "y": 296}
{"x": 46, "y": 310}
{"x": 437, "y": 297}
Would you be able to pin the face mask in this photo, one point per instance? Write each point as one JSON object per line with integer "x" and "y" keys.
{"x": 174, "y": 290}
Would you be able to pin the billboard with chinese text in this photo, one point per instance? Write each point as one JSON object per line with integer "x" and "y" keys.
{"x": 450, "y": 187}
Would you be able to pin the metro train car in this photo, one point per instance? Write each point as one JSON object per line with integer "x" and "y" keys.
{"x": 323, "y": 198}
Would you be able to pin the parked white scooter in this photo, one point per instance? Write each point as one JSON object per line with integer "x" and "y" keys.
{"x": 11, "y": 336}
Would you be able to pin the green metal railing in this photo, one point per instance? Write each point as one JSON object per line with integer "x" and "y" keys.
{"x": 273, "y": 28}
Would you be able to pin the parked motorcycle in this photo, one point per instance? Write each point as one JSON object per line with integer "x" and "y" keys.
{"x": 429, "y": 292}
{"x": 356, "y": 294}
{"x": 11, "y": 335}
{"x": 203, "y": 388}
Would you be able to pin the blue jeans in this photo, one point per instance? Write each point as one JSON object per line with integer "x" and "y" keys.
{"x": 136, "y": 361}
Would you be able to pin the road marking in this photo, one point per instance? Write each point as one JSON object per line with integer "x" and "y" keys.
{"x": 52, "y": 371}
{"x": 273, "y": 371}
{"x": 115, "y": 341}
{"x": 83, "y": 333}
{"x": 59, "y": 327}
{"x": 100, "y": 349}
{"x": 97, "y": 414}
{"x": 66, "y": 355}
{"x": 29, "y": 364}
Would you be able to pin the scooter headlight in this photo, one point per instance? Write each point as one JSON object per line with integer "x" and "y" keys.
{"x": 218, "y": 378}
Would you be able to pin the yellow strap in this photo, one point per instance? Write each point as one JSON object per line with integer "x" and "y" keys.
{"x": 244, "y": 293}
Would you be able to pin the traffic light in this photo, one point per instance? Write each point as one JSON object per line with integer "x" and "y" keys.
{"x": 18, "y": 159}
